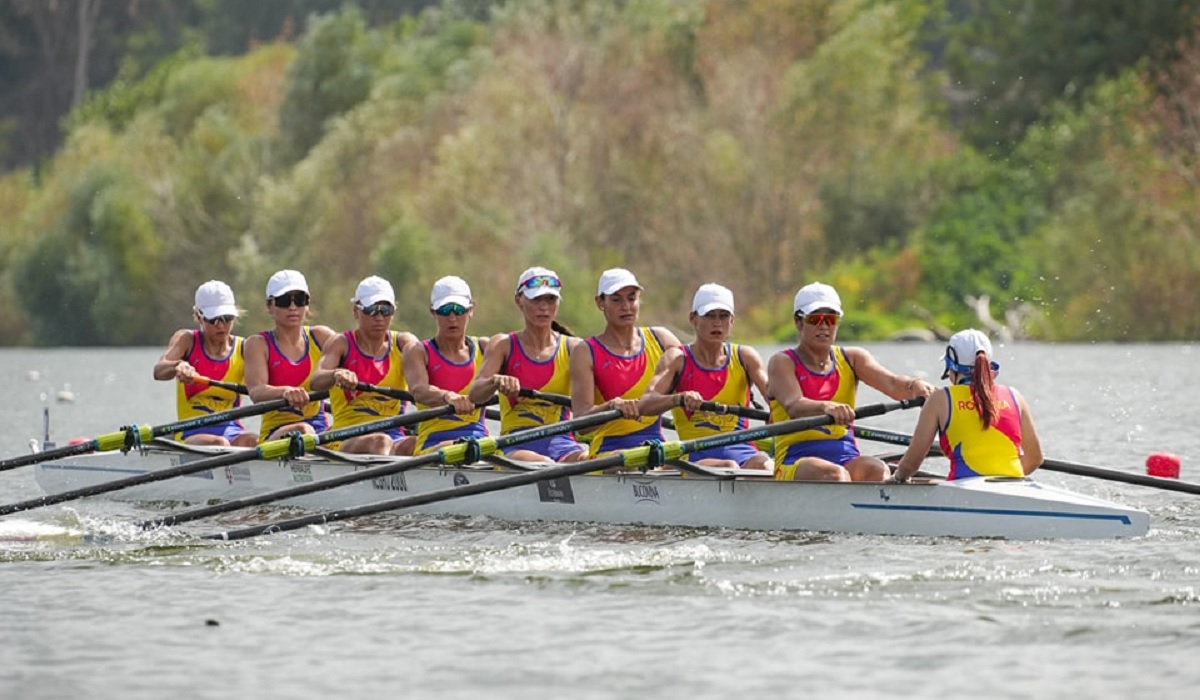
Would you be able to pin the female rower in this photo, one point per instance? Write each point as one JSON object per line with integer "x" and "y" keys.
{"x": 280, "y": 362}
{"x": 710, "y": 368}
{"x": 985, "y": 428}
{"x": 817, "y": 377}
{"x": 370, "y": 353}
{"x": 210, "y": 351}
{"x": 440, "y": 370}
{"x": 613, "y": 369}
{"x": 536, "y": 357}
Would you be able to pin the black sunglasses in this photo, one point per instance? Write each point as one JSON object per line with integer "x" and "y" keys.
{"x": 381, "y": 308}
{"x": 284, "y": 301}
{"x": 227, "y": 318}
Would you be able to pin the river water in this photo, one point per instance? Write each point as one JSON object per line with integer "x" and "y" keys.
{"x": 463, "y": 608}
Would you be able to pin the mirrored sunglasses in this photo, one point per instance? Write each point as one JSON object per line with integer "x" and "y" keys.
{"x": 284, "y": 301}
{"x": 540, "y": 281}
{"x": 381, "y": 308}
{"x": 227, "y": 318}
{"x": 451, "y": 310}
{"x": 818, "y": 320}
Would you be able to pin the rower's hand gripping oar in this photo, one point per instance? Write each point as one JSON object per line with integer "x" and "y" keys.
{"x": 646, "y": 456}
{"x": 1055, "y": 465}
{"x": 459, "y": 453}
{"x": 131, "y": 436}
{"x": 292, "y": 446}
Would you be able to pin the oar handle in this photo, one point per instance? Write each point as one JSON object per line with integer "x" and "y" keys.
{"x": 742, "y": 411}
{"x": 403, "y": 395}
{"x": 228, "y": 386}
{"x": 634, "y": 457}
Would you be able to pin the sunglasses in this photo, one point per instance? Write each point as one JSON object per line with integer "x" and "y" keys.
{"x": 227, "y": 318}
{"x": 818, "y": 320}
{"x": 451, "y": 310}
{"x": 378, "y": 309}
{"x": 540, "y": 281}
{"x": 284, "y": 301}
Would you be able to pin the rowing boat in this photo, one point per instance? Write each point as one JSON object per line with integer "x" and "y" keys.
{"x": 977, "y": 507}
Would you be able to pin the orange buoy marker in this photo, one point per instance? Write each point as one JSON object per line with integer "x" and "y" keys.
{"x": 1163, "y": 464}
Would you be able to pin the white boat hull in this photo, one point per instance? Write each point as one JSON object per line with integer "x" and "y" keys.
{"x": 979, "y": 507}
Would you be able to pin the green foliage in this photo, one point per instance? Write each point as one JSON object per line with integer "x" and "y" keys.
{"x": 332, "y": 73}
{"x": 86, "y": 282}
{"x": 1011, "y": 59}
{"x": 130, "y": 93}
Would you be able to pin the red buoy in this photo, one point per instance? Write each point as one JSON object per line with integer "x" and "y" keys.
{"x": 1163, "y": 464}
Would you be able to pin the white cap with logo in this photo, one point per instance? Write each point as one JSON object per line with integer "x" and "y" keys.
{"x": 214, "y": 298}
{"x": 547, "y": 282}
{"x": 817, "y": 296}
{"x": 373, "y": 290}
{"x": 710, "y": 297}
{"x": 616, "y": 279}
{"x": 450, "y": 290}
{"x": 286, "y": 281}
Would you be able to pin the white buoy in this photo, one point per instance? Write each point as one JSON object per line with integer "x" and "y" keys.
{"x": 65, "y": 395}
{"x": 33, "y": 375}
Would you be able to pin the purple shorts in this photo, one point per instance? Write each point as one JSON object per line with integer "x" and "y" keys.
{"x": 228, "y": 430}
{"x": 555, "y": 447}
{"x": 739, "y": 453}
{"x": 837, "y": 451}
{"x": 617, "y": 443}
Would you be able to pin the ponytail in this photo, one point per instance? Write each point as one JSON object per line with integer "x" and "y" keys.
{"x": 560, "y": 328}
{"x": 982, "y": 385}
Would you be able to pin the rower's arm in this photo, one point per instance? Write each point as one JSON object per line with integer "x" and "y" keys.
{"x": 659, "y": 396}
{"x": 583, "y": 382}
{"x": 331, "y": 361}
{"x": 1031, "y": 443}
{"x": 177, "y": 349}
{"x": 488, "y": 381}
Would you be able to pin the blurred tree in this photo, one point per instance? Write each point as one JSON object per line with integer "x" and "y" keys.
{"x": 1011, "y": 59}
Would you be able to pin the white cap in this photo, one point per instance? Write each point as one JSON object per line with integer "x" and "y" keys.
{"x": 961, "y": 351}
{"x": 964, "y": 345}
{"x": 215, "y": 298}
{"x": 450, "y": 290}
{"x": 373, "y": 290}
{"x": 535, "y": 292}
{"x": 615, "y": 280}
{"x": 710, "y": 297}
{"x": 816, "y": 296}
{"x": 286, "y": 281}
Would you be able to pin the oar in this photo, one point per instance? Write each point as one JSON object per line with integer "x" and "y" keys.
{"x": 453, "y": 454}
{"x": 132, "y": 435}
{"x": 228, "y": 386}
{"x": 647, "y": 455}
{"x": 1055, "y": 465}
{"x": 291, "y": 446}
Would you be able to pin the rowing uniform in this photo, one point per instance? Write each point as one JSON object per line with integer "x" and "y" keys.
{"x": 833, "y": 442}
{"x": 974, "y": 451}
{"x": 455, "y": 377}
{"x": 351, "y": 407}
{"x": 551, "y": 376}
{"x": 284, "y": 371}
{"x": 625, "y": 377}
{"x": 728, "y": 384}
{"x": 195, "y": 400}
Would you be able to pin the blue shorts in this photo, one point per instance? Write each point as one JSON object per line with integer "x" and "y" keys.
{"x": 228, "y": 430}
{"x": 474, "y": 430}
{"x": 617, "y": 443}
{"x": 837, "y": 451}
{"x": 739, "y": 453}
{"x": 555, "y": 447}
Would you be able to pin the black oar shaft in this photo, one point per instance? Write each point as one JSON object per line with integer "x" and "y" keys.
{"x": 275, "y": 449}
{"x": 1055, "y": 465}
{"x": 451, "y": 455}
{"x": 636, "y": 457}
{"x": 127, "y": 437}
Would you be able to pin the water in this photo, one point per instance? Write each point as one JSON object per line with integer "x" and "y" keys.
{"x": 449, "y": 608}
